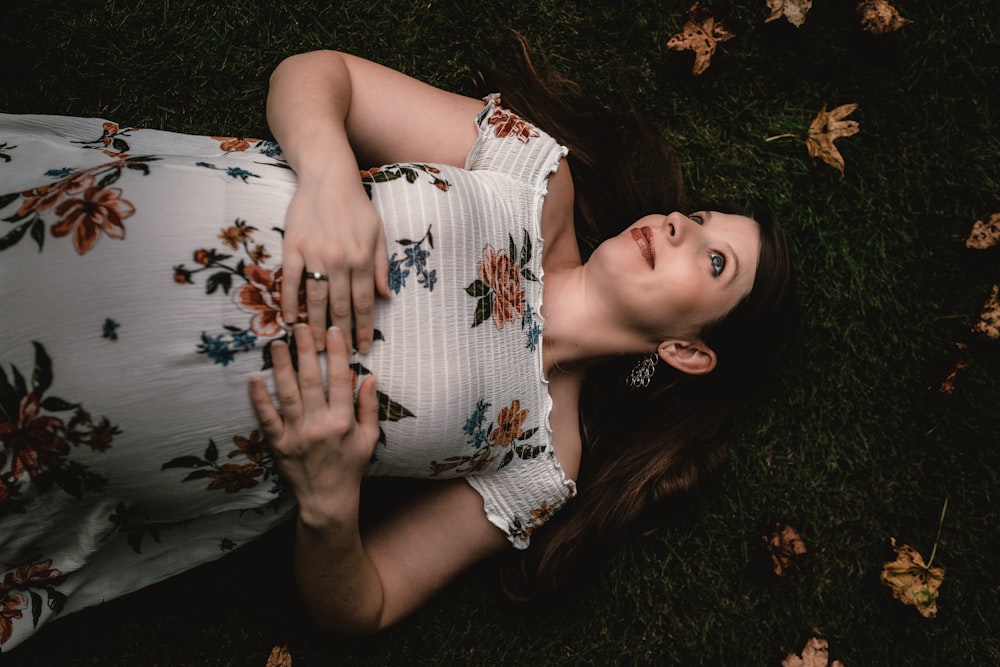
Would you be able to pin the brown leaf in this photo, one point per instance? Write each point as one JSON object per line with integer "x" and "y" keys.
{"x": 793, "y": 10}
{"x": 280, "y": 657}
{"x": 701, "y": 33}
{"x": 961, "y": 365}
{"x": 786, "y": 547}
{"x": 989, "y": 317}
{"x": 984, "y": 234}
{"x": 815, "y": 654}
{"x": 911, "y": 581}
{"x": 825, "y": 128}
{"x": 880, "y": 16}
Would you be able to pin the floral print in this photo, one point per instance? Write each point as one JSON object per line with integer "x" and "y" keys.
{"x": 83, "y": 202}
{"x": 112, "y": 140}
{"x": 233, "y": 477}
{"x": 508, "y": 124}
{"x": 232, "y": 172}
{"x": 414, "y": 256}
{"x": 503, "y": 438}
{"x": 522, "y": 530}
{"x": 19, "y": 593}
{"x": 409, "y": 171}
{"x": 35, "y": 444}
{"x": 241, "y": 145}
{"x": 259, "y": 296}
{"x": 499, "y": 290}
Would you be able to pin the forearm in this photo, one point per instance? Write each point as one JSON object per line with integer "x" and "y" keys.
{"x": 337, "y": 580}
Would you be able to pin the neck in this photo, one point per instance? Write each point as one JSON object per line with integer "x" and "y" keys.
{"x": 579, "y": 330}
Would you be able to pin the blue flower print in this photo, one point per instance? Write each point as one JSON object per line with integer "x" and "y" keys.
{"x": 474, "y": 425}
{"x": 532, "y": 331}
{"x": 110, "y": 329}
{"x": 415, "y": 256}
{"x": 216, "y": 348}
{"x": 233, "y": 172}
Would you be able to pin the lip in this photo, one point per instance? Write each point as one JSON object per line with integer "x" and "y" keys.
{"x": 644, "y": 239}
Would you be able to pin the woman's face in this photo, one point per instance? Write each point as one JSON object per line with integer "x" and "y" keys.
{"x": 669, "y": 275}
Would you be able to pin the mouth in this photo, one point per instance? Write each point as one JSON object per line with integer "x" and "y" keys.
{"x": 644, "y": 239}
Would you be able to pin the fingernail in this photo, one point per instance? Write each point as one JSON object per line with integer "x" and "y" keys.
{"x": 364, "y": 346}
{"x": 334, "y": 331}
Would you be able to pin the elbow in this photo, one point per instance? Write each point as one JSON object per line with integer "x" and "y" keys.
{"x": 307, "y": 60}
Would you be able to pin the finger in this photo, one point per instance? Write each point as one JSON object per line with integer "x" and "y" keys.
{"x": 291, "y": 280}
{"x": 310, "y": 375}
{"x": 367, "y": 410}
{"x": 340, "y": 300}
{"x": 317, "y": 291}
{"x": 381, "y": 265}
{"x": 363, "y": 300}
{"x": 263, "y": 406}
{"x": 340, "y": 378}
{"x": 286, "y": 385}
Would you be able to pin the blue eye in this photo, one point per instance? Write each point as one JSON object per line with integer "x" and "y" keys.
{"x": 718, "y": 263}
{"x": 696, "y": 219}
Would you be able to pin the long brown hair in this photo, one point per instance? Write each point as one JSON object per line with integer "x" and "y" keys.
{"x": 642, "y": 449}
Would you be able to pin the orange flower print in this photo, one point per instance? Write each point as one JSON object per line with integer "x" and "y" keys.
{"x": 509, "y": 424}
{"x": 99, "y": 210}
{"x": 43, "y": 198}
{"x": 261, "y": 295}
{"x": 10, "y": 610}
{"x": 202, "y": 256}
{"x": 230, "y": 144}
{"x": 35, "y": 441}
{"x": 233, "y": 477}
{"x": 32, "y": 573}
{"x": 110, "y": 130}
{"x": 368, "y": 173}
{"x": 509, "y": 124}
{"x": 253, "y": 448}
{"x": 234, "y": 236}
{"x": 259, "y": 255}
{"x": 503, "y": 277}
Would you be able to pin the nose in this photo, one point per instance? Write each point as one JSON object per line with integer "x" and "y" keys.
{"x": 675, "y": 227}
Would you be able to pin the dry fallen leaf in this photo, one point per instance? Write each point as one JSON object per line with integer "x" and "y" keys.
{"x": 785, "y": 546}
{"x": 815, "y": 654}
{"x": 825, "y": 128}
{"x": 280, "y": 657}
{"x": 961, "y": 365}
{"x": 793, "y": 10}
{"x": 701, "y": 33}
{"x": 984, "y": 234}
{"x": 989, "y": 317}
{"x": 911, "y": 581}
{"x": 880, "y": 17}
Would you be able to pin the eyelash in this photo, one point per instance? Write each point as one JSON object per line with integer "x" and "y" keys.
{"x": 698, "y": 220}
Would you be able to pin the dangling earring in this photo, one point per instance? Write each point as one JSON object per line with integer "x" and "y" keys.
{"x": 642, "y": 372}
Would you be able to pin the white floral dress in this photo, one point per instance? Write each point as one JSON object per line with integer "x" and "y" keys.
{"x": 139, "y": 281}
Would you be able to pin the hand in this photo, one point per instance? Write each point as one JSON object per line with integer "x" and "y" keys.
{"x": 322, "y": 444}
{"x": 334, "y": 231}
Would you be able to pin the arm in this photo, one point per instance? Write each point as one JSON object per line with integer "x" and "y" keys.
{"x": 329, "y": 111}
{"x": 349, "y": 582}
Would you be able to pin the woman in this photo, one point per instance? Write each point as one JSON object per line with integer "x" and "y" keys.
{"x": 111, "y": 436}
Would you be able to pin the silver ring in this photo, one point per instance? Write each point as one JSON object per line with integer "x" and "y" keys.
{"x": 316, "y": 275}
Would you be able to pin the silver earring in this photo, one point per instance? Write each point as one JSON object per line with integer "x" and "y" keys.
{"x": 642, "y": 372}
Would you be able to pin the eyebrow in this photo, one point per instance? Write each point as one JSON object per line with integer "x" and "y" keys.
{"x": 732, "y": 252}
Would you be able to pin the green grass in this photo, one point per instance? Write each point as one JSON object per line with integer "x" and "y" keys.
{"x": 853, "y": 446}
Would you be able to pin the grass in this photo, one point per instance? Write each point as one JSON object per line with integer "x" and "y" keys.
{"x": 852, "y": 447}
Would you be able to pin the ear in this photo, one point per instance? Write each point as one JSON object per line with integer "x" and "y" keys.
{"x": 691, "y": 357}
